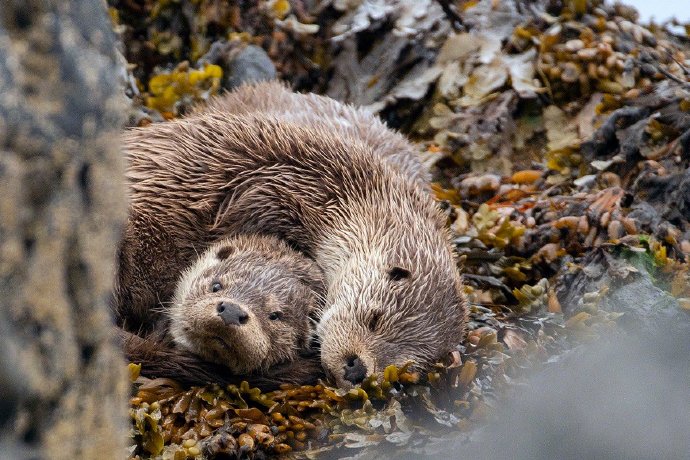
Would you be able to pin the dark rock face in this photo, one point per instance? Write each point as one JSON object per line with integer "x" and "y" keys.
{"x": 62, "y": 205}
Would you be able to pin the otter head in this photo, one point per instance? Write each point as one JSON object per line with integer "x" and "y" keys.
{"x": 246, "y": 304}
{"x": 396, "y": 299}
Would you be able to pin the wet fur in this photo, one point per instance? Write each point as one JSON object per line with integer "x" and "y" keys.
{"x": 261, "y": 275}
{"x": 325, "y": 114}
{"x": 339, "y": 197}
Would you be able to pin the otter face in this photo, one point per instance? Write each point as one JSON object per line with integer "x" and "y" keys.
{"x": 392, "y": 303}
{"x": 246, "y": 304}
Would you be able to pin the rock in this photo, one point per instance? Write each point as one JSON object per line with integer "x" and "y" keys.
{"x": 241, "y": 63}
{"x": 623, "y": 397}
{"x": 62, "y": 202}
{"x": 251, "y": 64}
{"x": 626, "y": 287}
{"x": 642, "y": 302}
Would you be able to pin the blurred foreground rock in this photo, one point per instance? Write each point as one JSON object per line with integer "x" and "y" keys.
{"x": 62, "y": 381}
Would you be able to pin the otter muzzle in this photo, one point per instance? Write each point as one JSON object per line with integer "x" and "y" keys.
{"x": 232, "y": 314}
{"x": 354, "y": 370}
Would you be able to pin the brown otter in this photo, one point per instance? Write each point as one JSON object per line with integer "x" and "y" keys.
{"x": 246, "y": 304}
{"x": 244, "y": 307}
{"x": 320, "y": 112}
{"x": 393, "y": 292}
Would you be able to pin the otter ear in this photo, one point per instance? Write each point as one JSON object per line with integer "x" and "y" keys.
{"x": 224, "y": 252}
{"x": 398, "y": 273}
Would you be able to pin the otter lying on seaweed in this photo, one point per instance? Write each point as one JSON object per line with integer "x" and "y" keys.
{"x": 244, "y": 304}
{"x": 393, "y": 293}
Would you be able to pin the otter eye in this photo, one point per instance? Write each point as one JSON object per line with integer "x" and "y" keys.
{"x": 216, "y": 286}
{"x": 275, "y": 315}
{"x": 374, "y": 321}
{"x": 398, "y": 273}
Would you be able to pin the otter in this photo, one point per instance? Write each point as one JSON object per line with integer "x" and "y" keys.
{"x": 393, "y": 292}
{"x": 246, "y": 304}
{"x": 320, "y": 112}
{"x": 242, "y": 308}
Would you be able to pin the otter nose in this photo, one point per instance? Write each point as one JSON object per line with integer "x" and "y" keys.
{"x": 231, "y": 313}
{"x": 355, "y": 370}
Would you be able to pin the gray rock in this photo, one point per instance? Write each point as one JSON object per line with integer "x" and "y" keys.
{"x": 62, "y": 201}
{"x": 241, "y": 63}
{"x": 252, "y": 64}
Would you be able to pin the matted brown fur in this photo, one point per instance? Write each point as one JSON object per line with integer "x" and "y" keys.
{"x": 159, "y": 357}
{"x": 324, "y": 113}
{"x": 393, "y": 292}
{"x": 273, "y": 287}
